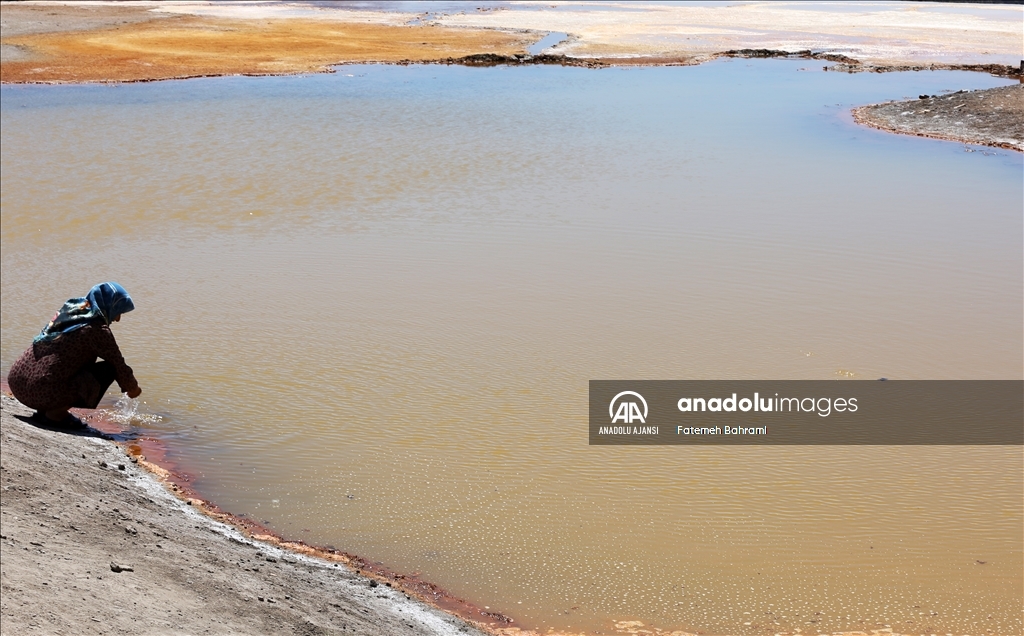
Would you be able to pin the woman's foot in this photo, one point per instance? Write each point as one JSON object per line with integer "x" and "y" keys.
{"x": 56, "y": 415}
{"x": 58, "y": 418}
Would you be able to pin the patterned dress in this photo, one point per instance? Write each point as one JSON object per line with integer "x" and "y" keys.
{"x": 49, "y": 375}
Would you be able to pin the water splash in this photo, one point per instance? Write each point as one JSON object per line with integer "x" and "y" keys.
{"x": 126, "y": 411}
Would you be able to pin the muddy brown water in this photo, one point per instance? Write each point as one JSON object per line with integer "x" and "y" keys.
{"x": 369, "y": 304}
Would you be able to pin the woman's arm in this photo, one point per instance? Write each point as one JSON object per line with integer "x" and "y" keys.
{"x": 106, "y": 348}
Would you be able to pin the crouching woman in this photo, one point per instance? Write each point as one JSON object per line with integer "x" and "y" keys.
{"x": 60, "y": 370}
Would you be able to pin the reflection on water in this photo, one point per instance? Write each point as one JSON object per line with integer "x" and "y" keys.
{"x": 370, "y": 304}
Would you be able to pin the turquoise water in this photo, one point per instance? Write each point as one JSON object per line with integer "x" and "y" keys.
{"x": 369, "y": 304}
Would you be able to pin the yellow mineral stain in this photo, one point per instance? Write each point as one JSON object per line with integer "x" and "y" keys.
{"x": 191, "y": 46}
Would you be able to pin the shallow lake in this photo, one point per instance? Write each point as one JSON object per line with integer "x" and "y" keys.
{"x": 369, "y": 304}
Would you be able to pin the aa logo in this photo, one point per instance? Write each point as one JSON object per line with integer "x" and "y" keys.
{"x": 626, "y": 410}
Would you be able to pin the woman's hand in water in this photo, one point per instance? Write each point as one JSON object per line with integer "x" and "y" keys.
{"x": 134, "y": 393}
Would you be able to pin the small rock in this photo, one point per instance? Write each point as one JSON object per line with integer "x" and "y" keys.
{"x": 103, "y": 464}
{"x": 120, "y": 568}
{"x": 271, "y": 559}
{"x": 120, "y": 466}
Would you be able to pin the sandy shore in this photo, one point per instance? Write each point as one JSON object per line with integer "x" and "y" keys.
{"x": 94, "y": 544}
{"x": 874, "y": 33}
{"x": 76, "y": 42}
{"x": 992, "y": 117}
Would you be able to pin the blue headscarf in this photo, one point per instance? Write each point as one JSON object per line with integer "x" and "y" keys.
{"x": 105, "y": 301}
